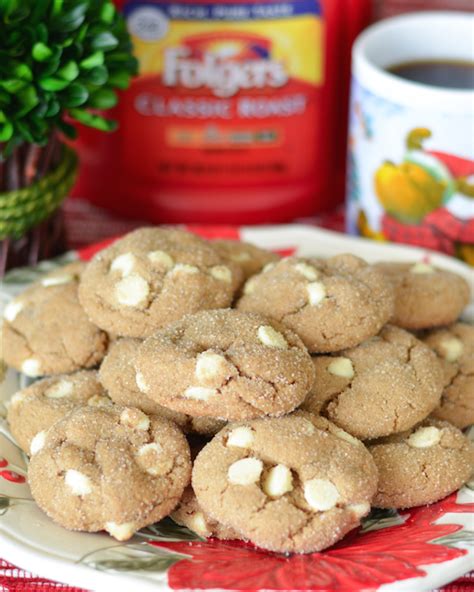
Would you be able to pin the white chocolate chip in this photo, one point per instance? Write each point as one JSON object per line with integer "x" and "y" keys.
{"x": 132, "y": 290}
{"x": 245, "y": 471}
{"x": 321, "y": 494}
{"x": 121, "y": 532}
{"x": 221, "y": 273}
{"x": 241, "y": 437}
{"x": 78, "y": 483}
{"x": 249, "y": 286}
{"x": 37, "y": 442}
{"x": 99, "y": 401}
{"x": 210, "y": 366}
{"x": 17, "y": 398}
{"x": 12, "y": 310}
{"x": 359, "y": 510}
{"x": 308, "y": 271}
{"x": 61, "y": 389}
{"x": 185, "y": 268}
{"x": 161, "y": 259}
{"x": 341, "y": 367}
{"x": 124, "y": 264}
{"x": 278, "y": 481}
{"x": 421, "y": 267}
{"x": 134, "y": 418}
{"x": 452, "y": 348}
{"x": 141, "y": 384}
{"x": 57, "y": 280}
{"x": 200, "y": 393}
{"x": 31, "y": 367}
{"x": 198, "y": 524}
{"x": 268, "y": 267}
{"x": 316, "y": 293}
{"x": 424, "y": 437}
{"x": 152, "y": 451}
{"x": 344, "y": 436}
{"x": 271, "y": 338}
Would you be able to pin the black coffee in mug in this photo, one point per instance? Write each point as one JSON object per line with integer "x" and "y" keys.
{"x": 440, "y": 73}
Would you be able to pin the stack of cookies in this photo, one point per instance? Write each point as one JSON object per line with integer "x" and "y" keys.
{"x": 249, "y": 397}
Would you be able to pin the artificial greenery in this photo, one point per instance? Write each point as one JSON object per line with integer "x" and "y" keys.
{"x": 60, "y": 60}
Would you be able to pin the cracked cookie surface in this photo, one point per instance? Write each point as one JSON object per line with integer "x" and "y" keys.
{"x": 422, "y": 465}
{"x": 249, "y": 258}
{"x": 152, "y": 277}
{"x": 33, "y": 410}
{"x": 425, "y": 296}
{"x": 226, "y": 364}
{"x": 117, "y": 374}
{"x": 384, "y": 385}
{"x": 291, "y": 484}
{"x": 190, "y": 514}
{"x": 332, "y": 304}
{"x": 115, "y": 469}
{"x": 454, "y": 347}
{"x": 46, "y": 330}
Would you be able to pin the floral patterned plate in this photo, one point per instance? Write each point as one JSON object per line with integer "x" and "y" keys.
{"x": 415, "y": 550}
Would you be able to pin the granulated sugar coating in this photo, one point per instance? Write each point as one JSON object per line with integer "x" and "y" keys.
{"x": 454, "y": 347}
{"x": 297, "y": 484}
{"x": 226, "y": 364}
{"x": 152, "y": 277}
{"x": 33, "y": 410}
{"x": 189, "y": 513}
{"x": 46, "y": 331}
{"x": 425, "y": 296}
{"x": 117, "y": 374}
{"x": 113, "y": 469}
{"x": 249, "y": 258}
{"x": 396, "y": 381}
{"x": 422, "y": 465}
{"x": 331, "y": 304}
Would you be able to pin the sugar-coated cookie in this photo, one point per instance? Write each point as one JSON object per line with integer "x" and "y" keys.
{"x": 110, "y": 468}
{"x": 190, "y": 514}
{"x": 226, "y": 364}
{"x": 33, "y": 410}
{"x": 454, "y": 347}
{"x": 331, "y": 304}
{"x": 249, "y": 258}
{"x": 46, "y": 331}
{"x": 425, "y": 296}
{"x": 385, "y": 385}
{"x": 117, "y": 374}
{"x": 422, "y": 465}
{"x": 152, "y": 277}
{"x": 291, "y": 484}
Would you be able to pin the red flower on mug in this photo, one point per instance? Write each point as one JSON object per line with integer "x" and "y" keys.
{"x": 362, "y": 561}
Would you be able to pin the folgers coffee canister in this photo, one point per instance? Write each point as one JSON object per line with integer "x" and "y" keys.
{"x": 237, "y": 115}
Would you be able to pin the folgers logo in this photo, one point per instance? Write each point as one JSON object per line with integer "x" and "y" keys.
{"x": 223, "y": 62}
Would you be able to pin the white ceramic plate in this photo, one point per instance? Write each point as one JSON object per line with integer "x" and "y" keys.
{"x": 419, "y": 549}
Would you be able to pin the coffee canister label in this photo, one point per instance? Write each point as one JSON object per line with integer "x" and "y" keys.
{"x": 411, "y": 174}
{"x": 227, "y": 92}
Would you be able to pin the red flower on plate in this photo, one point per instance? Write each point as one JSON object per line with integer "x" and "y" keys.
{"x": 362, "y": 561}
{"x": 12, "y": 476}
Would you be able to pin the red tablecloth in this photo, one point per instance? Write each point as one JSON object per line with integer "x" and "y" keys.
{"x": 86, "y": 224}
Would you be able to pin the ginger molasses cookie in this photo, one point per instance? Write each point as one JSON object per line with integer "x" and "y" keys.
{"x": 226, "y": 364}
{"x": 152, "y": 277}
{"x": 385, "y": 385}
{"x": 422, "y": 465}
{"x": 249, "y": 258}
{"x": 454, "y": 347}
{"x": 331, "y": 304}
{"x": 117, "y": 374}
{"x": 46, "y": 331}
{"x": 190, "y": 514}
{"x": 425, "y": 296}
{"x": 110, "y": 468}
{"x": 33, "y": 410}
{"x": 292, "y": 484}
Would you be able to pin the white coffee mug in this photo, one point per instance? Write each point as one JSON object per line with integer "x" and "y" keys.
{"x": 411, "y": 145}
